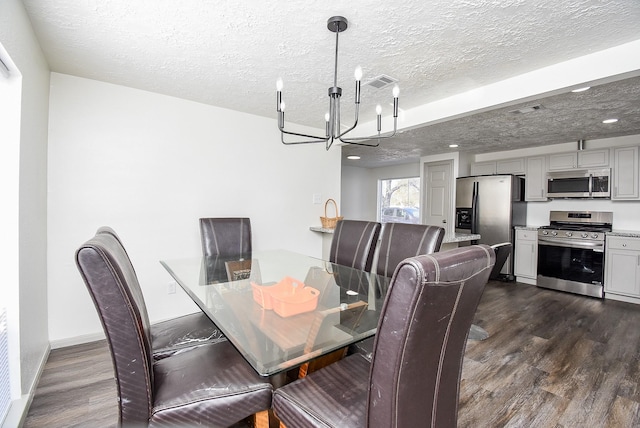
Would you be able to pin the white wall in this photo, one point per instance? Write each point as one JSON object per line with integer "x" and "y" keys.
{"x": 149, "y": 166}
{"x": 17, "y": 37}
{"x": 360, "y": 188}
{"x": 355, "y": 194}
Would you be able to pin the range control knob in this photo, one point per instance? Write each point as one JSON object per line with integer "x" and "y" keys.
{"x": 569, "y": 234}
{"x": 545, "y": 232}
{"x": 554, "y": 233}
{"x": 584, "y": 235}
{"x": 594, "y": 235}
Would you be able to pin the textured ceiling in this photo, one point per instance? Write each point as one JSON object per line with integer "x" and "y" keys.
{"x": 230, "y": 54}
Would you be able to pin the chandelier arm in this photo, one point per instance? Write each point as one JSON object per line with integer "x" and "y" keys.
{"x": 355, "y": 123}
{"x": 373, "y": 137}
{"x": 314, "y": 138}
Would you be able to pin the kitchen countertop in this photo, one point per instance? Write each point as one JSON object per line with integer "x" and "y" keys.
{"x": 624, "y": 233}
{"x": 448, "y": 239}
{"x": 531, "y": 228}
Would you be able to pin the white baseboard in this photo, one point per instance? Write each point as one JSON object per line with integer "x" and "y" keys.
{"x": 621, "y": 298}
{"x": 77, "y": 340}
{"x": 525, "y": 280}
{"x": 17, "y": 412}
{"x": 19, "y": 408}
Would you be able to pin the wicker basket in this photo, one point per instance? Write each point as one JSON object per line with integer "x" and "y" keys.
{"x": 330, "y": 222}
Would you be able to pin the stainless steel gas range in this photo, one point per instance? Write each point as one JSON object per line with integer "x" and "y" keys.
{"x": 571, "y": 251}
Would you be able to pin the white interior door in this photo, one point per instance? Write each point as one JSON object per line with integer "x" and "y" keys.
{"x": 437, "y": 195}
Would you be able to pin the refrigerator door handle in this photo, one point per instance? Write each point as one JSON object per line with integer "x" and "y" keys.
{"x": 474, "y": 208}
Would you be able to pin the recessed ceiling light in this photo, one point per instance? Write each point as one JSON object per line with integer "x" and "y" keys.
{"x": 453, "y": 146}
{"x": 353, "y": 157}
{"x": 586, "y": 88}
{"x": 610, "y": 121}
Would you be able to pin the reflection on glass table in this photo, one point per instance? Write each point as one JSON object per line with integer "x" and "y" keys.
{"x": 276, "y": 338}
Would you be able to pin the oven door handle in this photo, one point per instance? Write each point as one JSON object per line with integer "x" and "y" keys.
{"x": 559, "y": 242}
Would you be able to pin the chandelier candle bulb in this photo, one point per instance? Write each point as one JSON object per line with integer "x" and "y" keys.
{"x": 396, "y": 92}
{"x": 358, "y": 73}
{"x": 326, "y": 120}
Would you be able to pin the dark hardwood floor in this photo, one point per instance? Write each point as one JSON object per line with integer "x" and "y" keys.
{"x": 552, "y": 360}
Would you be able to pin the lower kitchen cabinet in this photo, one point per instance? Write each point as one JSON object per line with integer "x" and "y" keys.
{"x": 526, "y": 255}
{"x": 622, "y": 268}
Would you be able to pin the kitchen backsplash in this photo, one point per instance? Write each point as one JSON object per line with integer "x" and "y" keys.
{"x": 626, "y": 215}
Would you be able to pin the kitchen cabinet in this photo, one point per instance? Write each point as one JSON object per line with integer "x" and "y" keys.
{"x": 514, "y": 166}
{"x": 581, "y": 159}
{"x": 483, "y": 168}
{"x": 510, "y": 166}
{"x": 622, "y": 268}
{"x": 560, "y": 161}
{"x": 593, "y": 158}
{"x": 526, "y": 255}
{"x": 536, "y": 179}
{"x": 625, "y": 174}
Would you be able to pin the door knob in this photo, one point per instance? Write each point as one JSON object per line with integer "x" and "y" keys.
{"x": 444, "y": 221}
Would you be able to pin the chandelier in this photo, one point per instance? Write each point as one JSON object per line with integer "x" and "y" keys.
{"x": 337, "y": 24}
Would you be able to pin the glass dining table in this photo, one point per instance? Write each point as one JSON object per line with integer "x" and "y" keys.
{"x": 281, "y": 309}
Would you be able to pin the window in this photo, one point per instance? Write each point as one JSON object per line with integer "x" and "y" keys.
{"x": 399, "y": 200}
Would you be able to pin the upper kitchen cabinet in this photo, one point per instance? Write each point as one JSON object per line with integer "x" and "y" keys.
{"x": 511, "y": 166}
{"x": 625, "y": 174}
{"x": 536, "y": 179}
{"x": 593, "y": 158}
{"x": 483, "y": 168}
{"x": 580, "y": 159}
{"x": 505, "y": 166}
{"x": 563, "y": 161}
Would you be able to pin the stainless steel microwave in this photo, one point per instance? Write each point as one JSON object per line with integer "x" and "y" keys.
{"x": 579, "y": 183}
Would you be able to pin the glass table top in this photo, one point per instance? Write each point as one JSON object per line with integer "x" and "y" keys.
{"x": 281, "y": 309}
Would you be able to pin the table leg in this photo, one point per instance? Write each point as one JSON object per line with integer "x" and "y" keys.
{"x": 261, "y": 419}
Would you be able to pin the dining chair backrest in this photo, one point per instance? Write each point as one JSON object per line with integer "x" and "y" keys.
{"x": 354, "y": 243}
{"x": 113, "y": 286}
{"x": 401, "y": 240}
{"x": 225, "y": 236}
{"x": 502, "y": 250}
{"x": 421, "y": 337}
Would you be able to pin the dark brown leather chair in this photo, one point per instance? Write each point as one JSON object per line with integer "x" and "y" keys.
{"x": 353, "y": 247}
{"x": 225, "y": 236}
{"x": 400, "y": 241}
{"x": 168, "y": 337}
{"x": 210, "y": 385}
{"x": 354, "y": 243}
{"x": 503, "y": 251}
{"x": 413, "y": 379}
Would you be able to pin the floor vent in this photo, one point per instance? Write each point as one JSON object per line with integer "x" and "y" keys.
{"x": 5, "y": 390}
{"x": 381, "y": 81}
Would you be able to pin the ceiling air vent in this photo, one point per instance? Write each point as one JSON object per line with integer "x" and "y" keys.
{"x": 527, "y": 109}
{"x": 381, "y": 81}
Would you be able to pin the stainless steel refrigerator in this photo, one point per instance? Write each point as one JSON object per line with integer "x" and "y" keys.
{"x": 491, "y": 205}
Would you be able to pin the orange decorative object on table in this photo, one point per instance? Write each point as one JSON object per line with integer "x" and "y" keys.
{"x": 288, "y": 297}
